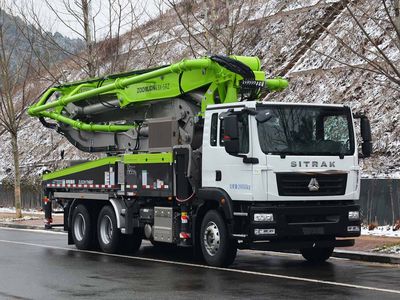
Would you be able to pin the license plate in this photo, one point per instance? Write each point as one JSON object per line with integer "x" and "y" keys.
{"x": 313, "y": 230}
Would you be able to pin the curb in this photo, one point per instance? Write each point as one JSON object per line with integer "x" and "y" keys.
{"x": 367, "y": 256}
{"x": 24, "y": 226}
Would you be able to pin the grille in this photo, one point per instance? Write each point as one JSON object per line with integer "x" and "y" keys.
{"x": 290, "y": 184}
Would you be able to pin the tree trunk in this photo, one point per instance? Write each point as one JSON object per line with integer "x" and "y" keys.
{"x": 87, "y": 16}
{"x": 397, "y": 13}
{"x": 396, "y": 19}
{"x": 17, "y": 175}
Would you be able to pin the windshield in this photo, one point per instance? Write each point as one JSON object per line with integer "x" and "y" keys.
{"x": 310, "y": 130}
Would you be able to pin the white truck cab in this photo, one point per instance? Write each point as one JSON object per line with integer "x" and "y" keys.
{"x": 290, "y": 170}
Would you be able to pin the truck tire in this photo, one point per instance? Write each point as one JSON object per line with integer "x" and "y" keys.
{"x": 218, "y": 250}
{"x": 81, "y": 229}
{"x": 108, "y": 233}
{"x": 317, "y": 255}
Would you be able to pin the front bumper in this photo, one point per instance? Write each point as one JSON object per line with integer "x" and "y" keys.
{"x": 301, "y": 225}
{"x": 297, "y": 244}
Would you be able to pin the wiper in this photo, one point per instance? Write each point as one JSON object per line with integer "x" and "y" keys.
{"x": 284, "y": 154}
{"x": 340, "y": 154}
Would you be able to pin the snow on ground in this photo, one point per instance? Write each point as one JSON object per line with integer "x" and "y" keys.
{"x": 386, "y": 231}
{"x": 11, "y": 210}
{"x": 24, "y": 218}
{"x": 28, "y": 214}
{"x": 389, "y": 250}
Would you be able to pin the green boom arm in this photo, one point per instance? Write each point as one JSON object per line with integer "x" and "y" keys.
{"x": 148, "y": 85}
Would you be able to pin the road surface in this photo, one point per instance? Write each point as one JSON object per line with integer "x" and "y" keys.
{"x": 40, "y": 265}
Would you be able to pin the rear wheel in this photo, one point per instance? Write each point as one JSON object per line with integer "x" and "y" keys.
{"x": 81, "y": 229}
{"x": 108, "y": 233}
{"x": 317, "y": 255}
{"x": 218, "y": 250}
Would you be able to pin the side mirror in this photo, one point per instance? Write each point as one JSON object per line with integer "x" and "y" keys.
{"x": 366, "y": 137}
{"x": 231, "y": 134}
{"x": 263, "y": 116}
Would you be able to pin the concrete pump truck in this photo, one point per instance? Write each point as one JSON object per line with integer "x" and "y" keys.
{"x": 192, "y": 157}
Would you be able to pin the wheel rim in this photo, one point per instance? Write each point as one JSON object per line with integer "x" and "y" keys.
{"x": 211, "y": 238}
{"x": 79, "y": 227}
{"x": 106, "y": 229}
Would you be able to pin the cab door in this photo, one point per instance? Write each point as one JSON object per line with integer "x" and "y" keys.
{"x": 221, "y": 169}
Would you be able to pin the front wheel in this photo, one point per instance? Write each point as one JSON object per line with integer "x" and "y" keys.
{"x": 218, "y": 250}
{"x": 317, "y": 255}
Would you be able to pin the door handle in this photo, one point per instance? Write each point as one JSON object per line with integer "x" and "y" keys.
{"x": 218, "y": 175}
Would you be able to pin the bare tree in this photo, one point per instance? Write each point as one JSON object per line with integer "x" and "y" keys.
{"x": 82, "y": 13}
{"x": 116, "y": 16}
{"x": 215, "y": 26}
{"x": 15, "y": 67}
{"x": 364, "y": 36}
{"x": 150, "y": 34}
{"x": 117, "y": 47}
{"x": 78, "y": 17}
{"x": 107, "y": 48}
{"x": 46, "y": 46}
{"x": 144, "y": 35}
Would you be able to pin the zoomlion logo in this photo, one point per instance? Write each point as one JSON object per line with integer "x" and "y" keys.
{"x": 153, "y": 87}
{"x": 313, "y": 186}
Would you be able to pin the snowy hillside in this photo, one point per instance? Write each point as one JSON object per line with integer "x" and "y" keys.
{"x": 281, "y": 33}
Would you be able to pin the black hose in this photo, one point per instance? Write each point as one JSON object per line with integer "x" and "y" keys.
{"x": 137, "y": 145}
{"x": 234, "y": 66}
{"x": 243, "y": 70}
{"x": 47, "y": 124}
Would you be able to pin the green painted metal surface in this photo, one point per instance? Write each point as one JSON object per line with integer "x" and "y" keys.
{"x": 149, "y": 85}
{"x": 85, "y": 126}
{"x": 142, "y": 158}
{"x": 148, "y": 158}
{"x": 82, "y": 167}
{"x": 278, "y": 84}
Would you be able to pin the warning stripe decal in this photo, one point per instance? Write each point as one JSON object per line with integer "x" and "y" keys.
{"x": 109, "y": 186}
{"x": 128, "y": 186}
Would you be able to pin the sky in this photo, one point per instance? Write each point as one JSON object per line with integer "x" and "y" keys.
{"x": 68, "y": 25}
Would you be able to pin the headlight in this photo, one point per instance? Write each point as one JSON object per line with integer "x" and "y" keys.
{"x": 269, "y": 231}
{"x": 263, "y": 217}
{"x": 354, "y": 215}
